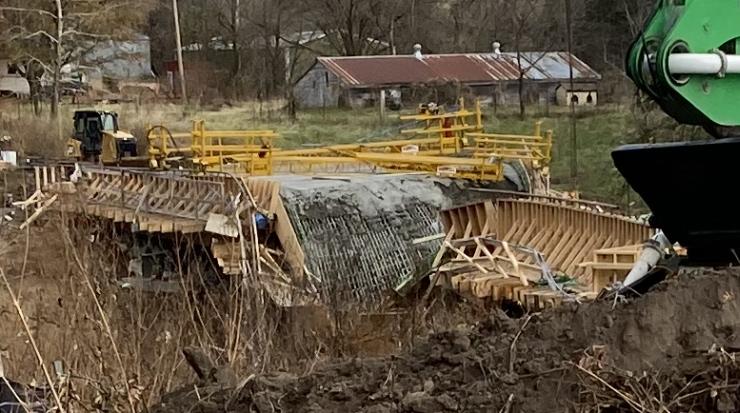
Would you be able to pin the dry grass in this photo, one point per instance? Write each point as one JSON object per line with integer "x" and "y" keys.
{"x": 122, "y": 349}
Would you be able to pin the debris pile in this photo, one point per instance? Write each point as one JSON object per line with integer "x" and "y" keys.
{"x": 672, "y": 350}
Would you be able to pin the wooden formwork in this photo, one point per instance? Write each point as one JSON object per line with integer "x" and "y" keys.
{"x": 565, "y": 235}
{"x": 611, "y": 265}
{"x": 470, "y": 220}
{"x": 267, "y": 196}
{"x": 497, "y": 270}
{"x": 565, "y": 232}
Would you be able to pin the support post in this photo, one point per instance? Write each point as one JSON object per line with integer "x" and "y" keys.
{"x": 382, "y": 105}
{"x": 180, "y": 65}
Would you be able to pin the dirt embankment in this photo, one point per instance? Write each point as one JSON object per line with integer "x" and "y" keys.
{"x": 671, "y": 349}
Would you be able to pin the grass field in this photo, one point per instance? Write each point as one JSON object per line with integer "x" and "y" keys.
{"x": 598, "y": 131}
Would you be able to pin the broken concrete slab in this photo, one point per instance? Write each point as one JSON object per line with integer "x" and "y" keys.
{"x": 358, "y": 234}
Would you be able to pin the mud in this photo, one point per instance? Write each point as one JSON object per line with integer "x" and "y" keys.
{"x": 669, "y": 336}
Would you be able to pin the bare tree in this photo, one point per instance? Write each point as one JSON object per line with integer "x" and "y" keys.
{"x": 524, "y": 17}
{"x": 51, "y": 34}
{"x": 230, "y": 18}
{"x": 351, "y": 26}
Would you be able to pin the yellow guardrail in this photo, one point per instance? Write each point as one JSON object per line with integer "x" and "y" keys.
{"x": 448, "y": 147}
{"x": 447, "y": 124}
{"x": 536, "y": 148}
{"x": 428, "y": 146}
{"x": 445, "y": 166}
{"x": 215, "y": 150}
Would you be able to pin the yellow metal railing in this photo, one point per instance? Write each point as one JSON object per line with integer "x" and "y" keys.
{"x": 247, "y": 151}
{"x": 536, "y": 148}
{"x": 425, "y": 146}
{"x": 451, "y": 126}
{"x": 456, "y": 149}
{"x": 445, "y": 166}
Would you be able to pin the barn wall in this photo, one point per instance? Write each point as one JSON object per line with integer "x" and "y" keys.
{"x": 564, "y": 96}
{"x": 507, "y": 93}
{"x": 318, "y": 88}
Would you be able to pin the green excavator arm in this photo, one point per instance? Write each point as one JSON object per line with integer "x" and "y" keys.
{"x": 705, "y": 32}
{"x": 686, "y": 59}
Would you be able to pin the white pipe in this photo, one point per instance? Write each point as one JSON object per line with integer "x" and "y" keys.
{"x": 652, "y": 252}
{"x": 702, "y": 63}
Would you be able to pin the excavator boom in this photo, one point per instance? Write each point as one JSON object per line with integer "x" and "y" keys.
{"x": 687, "y": 60}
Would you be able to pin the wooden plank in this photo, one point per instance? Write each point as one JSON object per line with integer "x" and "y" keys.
{"x": 168, "y": 226}
{"x": 40, "y": 210}
{"x": 576, "y": 249}
{"x": 586, "y": 250}
{"x": 443, "y": 249}
{"x": 515, "y": 263}
{"x": 559, "y": 248}
{"x": 461, "y": 254}
{"x": 480, "y": 248}
{"x": 430, "y": 238}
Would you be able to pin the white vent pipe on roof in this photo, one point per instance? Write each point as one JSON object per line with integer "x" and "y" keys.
{"x": 497, "y": 48}
{"x": 417, "y": 51}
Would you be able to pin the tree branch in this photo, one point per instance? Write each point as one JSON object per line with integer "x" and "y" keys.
{"x": 27, "y": 10}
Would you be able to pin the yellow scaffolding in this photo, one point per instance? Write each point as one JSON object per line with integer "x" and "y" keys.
{"x": 213, "y": 150}
{"x": 535, "y": 149}
{"x": 451, "y": 125}
{"x": 450, "y": 145}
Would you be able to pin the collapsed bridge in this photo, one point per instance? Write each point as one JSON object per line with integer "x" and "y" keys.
{"x": 353, "y": 222}
{"x": 354, "y": 237}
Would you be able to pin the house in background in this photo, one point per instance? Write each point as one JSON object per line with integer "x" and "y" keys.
{"x": 12, "y": 82}
{"x": 357, "y": 81}
{"x": 121, "y": 67}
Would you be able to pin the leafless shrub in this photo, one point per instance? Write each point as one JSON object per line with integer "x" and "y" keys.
{"x": 710, "y": 383}
{"x": 34, "y": 136}
{"x": 122, "y": 349}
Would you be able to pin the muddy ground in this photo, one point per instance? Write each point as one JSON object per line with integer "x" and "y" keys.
{"x": 669, "y": 351}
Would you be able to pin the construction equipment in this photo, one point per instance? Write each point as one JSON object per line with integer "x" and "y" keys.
{"x": 686, "y": 59}
{"x": 248, "y": 151}
{"x": 97, "y": 138}
{"x": 449, "y": 144}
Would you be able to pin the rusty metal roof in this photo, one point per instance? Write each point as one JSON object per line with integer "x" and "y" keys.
{"x": 468, "y": 68}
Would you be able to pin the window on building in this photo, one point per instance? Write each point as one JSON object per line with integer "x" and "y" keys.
{"x": 574, "y": 99}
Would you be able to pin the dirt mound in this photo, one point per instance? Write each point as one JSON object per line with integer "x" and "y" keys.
{"x": 670, "y": 350}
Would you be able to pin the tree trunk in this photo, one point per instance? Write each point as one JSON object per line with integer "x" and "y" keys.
{"x": 573, "y": 122}
{"x": 58, "y": 61}
{"x": 292, "y": 107}
{"x": 237, "y": 70}
{"x": 33, "y": 83}
{"x": 522, "y": 107}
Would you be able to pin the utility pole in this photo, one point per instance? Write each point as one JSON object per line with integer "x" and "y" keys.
{"x": 180, "y": 66}
{"x": 573, "y": 134}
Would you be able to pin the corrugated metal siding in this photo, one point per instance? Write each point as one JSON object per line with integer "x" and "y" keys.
{"x": 481, "y": 68}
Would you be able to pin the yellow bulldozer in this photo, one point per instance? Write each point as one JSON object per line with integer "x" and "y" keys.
{"x": 98, "y": 139}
